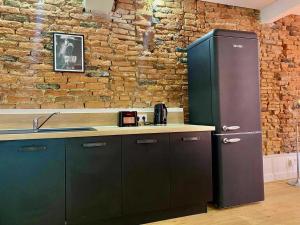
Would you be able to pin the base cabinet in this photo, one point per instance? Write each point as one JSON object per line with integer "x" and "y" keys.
{"x": 109, "y": 180}
{"x": 32, "y": 182}
{"x": 191, "y": 173}
{"x": 93, "y": 179}
{"x": 146, "y": 173}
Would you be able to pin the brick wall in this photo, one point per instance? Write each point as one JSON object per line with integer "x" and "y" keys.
{"x": 280, "y": 82}
{"x": 131, "y": 59}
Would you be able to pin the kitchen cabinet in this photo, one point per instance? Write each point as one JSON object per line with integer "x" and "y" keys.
{"x": 191, "y": 180}
{"x": 32, "y": 190}
{"x": 93, "y": 173}
{"x": 146, "y": 173}
{"x": 107, "y": 180}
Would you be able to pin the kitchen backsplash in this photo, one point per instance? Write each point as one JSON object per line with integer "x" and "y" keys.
{"x": 23, "y": 118}
{"x": 131, "y": 58}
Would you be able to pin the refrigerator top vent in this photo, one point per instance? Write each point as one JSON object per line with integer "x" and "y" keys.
{"x": 224, "y": 33}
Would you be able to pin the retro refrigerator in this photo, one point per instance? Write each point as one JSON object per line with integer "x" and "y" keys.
{"x": 223, "y": 81}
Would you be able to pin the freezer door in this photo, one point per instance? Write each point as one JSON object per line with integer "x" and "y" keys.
{"x": 236, "y": 77}
{"x": 238, "y": 169}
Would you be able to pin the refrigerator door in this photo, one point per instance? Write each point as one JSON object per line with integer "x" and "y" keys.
{"x": 237, "y": 169}
{"x": 236, "y": 85}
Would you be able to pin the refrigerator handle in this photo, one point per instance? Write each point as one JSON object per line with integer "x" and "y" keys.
{"x": 232, "y": 140}
{"x": 230, "y": 128}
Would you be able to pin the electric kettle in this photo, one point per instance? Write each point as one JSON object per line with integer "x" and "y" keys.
{"x": 160, "y": 114}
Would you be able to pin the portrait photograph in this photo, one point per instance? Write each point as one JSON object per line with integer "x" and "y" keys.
{"x": 68, "y": 52}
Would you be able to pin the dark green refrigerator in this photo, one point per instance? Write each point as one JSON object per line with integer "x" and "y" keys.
{"x": 223, "y": 70}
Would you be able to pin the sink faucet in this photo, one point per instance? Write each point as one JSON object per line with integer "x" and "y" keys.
{"x": 35, "y": 122}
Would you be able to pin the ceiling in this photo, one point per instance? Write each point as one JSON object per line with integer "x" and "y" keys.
{"x": 253, "y": 4}
{"x": 271, "y": 10}
{"x": 296, "y": 11}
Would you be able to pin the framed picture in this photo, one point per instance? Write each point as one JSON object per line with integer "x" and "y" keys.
{"x": 68, "y": 52}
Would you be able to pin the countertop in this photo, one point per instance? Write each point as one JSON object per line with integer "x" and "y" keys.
{"x": 108, "y": 131}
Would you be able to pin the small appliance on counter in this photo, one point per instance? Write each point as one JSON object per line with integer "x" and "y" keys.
{"x": 128, "y": 119}
{"x": 160, "y": 114}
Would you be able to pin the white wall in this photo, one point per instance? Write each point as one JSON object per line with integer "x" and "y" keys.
{"x": 280, "y": 167}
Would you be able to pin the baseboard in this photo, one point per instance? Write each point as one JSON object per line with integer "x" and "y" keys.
{"x": 280, "y": 167}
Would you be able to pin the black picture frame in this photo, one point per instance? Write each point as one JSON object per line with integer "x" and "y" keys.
{"x": 68, "y": 52}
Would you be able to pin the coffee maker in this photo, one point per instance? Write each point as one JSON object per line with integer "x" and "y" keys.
{"x": 160, "y": 114}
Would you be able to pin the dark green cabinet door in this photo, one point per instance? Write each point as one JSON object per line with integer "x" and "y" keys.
{"x": 93, "y": 172}
{"x": 191, "y": 169}
{"x": 146, "y": 173}
{"x": 32, "y": 182}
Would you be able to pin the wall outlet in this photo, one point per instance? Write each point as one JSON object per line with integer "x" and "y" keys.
{"x": 290, "y": 163}
{"x": 142, "y": 118}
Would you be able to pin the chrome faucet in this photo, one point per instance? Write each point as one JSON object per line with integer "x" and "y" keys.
{"x": 35, "y": 123}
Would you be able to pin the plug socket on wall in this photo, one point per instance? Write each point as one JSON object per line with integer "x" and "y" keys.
{"x": 143, "y": 118}
{"x": 290, "y": 163}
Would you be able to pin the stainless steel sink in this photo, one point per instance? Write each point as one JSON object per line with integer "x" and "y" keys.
{"x": 47, "y": 130}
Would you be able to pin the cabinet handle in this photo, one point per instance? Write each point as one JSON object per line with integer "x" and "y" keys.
{"x": 190, "y": 139}
{"x": 93, "y": 145}
{"x": 147, "y": 141}
{"x": 232, "y": 140}
{"x": 33, "y": 148}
